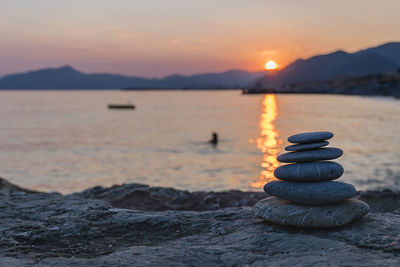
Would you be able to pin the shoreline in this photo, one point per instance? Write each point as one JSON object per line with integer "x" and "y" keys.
{"x": 94, "y": 228}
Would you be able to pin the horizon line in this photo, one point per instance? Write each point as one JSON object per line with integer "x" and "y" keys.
{"x": 197, "y": 73}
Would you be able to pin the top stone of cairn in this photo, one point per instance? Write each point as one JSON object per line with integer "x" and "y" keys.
{"x": 310, "y": 137}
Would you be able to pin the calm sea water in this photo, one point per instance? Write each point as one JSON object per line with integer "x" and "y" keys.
{"x": 69, "y": 141}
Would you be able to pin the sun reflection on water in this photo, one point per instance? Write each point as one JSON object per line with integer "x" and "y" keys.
{"x": 268, "y": 142}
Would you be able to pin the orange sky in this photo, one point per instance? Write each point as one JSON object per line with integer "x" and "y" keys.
{"x": 159, "y": 37}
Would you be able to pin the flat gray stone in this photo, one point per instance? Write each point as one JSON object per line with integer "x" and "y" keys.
{"x": 310, "y": 137}
{"x": 318, "y": 193}
{"x": 278, "y": 211}
{"x": 311, "y": 155}
{"x": 306, "y": 146}
{"x": 309, "y": 171}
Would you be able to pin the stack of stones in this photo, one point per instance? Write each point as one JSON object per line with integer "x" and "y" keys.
{"x": 307, "y": 196}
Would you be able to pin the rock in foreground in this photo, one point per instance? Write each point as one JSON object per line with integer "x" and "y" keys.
{"x": 329, "y": 202}
{"x": 306, "y": 146}
{"x": 143, "y": 197}
{"x": 275, "y": 210}
{"x": 320, "y": 193}
{"x": 311, "y": 155}
{"x": 309, "y": 171}
{"x": 54, "y": 230}
{"x": 310, "y": 137}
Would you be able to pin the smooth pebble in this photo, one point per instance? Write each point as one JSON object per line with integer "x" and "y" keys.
{"x": 318, "y": 193}
{"x": 306, "y": 146}
{"x": 310, "y": 137}
{"x": 311, "y": 155}
{"x": 309, "y": 171}
{"x": 282, "y": 212}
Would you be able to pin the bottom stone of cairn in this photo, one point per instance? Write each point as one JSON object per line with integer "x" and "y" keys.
{"x": 283, "y": 212}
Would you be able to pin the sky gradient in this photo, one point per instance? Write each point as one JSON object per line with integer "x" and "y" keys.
{"x": 154, "y": 38}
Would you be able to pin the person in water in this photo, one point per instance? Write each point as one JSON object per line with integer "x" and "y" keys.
{"x": 214, "y": 140}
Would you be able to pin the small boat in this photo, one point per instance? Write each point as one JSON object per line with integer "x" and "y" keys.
{"x": 118, "y": 106}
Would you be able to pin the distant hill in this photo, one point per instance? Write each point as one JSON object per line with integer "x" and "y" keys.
{"x": 390, "y": 51}
{"x": 382, "y": 59}
{"x": 229, "y": 79}
{"x": 67, "y": 77}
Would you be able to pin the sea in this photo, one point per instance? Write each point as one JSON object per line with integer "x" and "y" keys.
{"x": 68, "y": 141}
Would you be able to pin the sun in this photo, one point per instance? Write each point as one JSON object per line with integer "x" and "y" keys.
{"x": 271, "y": 65}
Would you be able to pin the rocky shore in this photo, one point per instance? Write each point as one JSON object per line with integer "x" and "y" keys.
{"x": 139, "y": 225}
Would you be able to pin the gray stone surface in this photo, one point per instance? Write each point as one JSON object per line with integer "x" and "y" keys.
{"x": 318, "y": 193}
{"x": 56, "y": 230}
{"x": 7, "y": 188}
{"x": 310, "y": 137}
{"x": 309, "y": 171}
{"x": 275, "y": 210}
{"x": 306, "y": 146}
{"x": 144, "y": 197}
{"x": 311, "y": 155}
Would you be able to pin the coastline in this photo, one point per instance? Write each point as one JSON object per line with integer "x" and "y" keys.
{"x": 95, "y": 227}
{"x": 369, "y": 85}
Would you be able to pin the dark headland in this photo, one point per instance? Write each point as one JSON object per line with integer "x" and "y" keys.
{"x": 369, "y": 85}
{"x": 133, "y": 224}
{"x": 373, "y": 71}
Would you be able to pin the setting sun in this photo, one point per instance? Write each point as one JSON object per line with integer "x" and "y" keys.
{"x": 271, "y": 65}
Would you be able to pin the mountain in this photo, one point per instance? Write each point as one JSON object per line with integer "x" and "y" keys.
{"x": 67, "y": 77}
{"x": 382, "y": 59}
{"x": 388, "y": 50}
{"x": 377, "y": 60}
{"x": 229, "y": 79}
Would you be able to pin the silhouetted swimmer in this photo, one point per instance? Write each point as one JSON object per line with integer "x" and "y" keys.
{"x": 214, "y": 140}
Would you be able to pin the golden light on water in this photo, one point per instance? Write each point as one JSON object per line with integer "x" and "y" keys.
{"x": 269, "y": 141}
